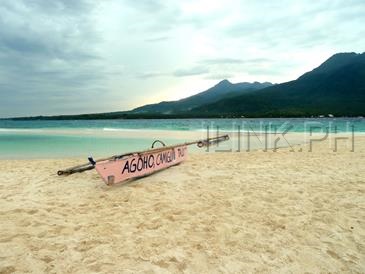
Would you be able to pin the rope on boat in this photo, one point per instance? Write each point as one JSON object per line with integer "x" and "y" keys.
{"x": 157, "y": 141}
{"x": 91, "y": 164}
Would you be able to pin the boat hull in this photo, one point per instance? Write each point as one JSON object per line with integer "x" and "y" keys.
{"x": 139, "y": 165}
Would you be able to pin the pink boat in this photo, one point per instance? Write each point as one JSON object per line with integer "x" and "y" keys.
{"x": 120, "y": 168}
{"x": 140, "y": 165}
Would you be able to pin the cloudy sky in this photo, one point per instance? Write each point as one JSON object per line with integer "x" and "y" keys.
{"x": 69, "y": 56}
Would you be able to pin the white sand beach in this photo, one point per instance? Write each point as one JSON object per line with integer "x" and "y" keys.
{"x": 256, "y": 212}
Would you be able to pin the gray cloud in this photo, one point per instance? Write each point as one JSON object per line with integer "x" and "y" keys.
{"x": 221, "y": 61}
{"x": 303, "y": 27}
{"x": 152, "y": 74}
{"x": 146, "y": 5}
{"x": 219, "y": 76}
{"x": 67, "y": 56}
{"x": 191, "y": 71}
{"x": 198, "y": 70}
{"x": 157, "y": 39}
{"x": 232, "y": 61}
{"x": 60, "y": 6}
{"x": 44, "y": 53}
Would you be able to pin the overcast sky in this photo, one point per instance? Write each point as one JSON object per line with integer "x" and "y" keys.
{"x": 69, "y": 56}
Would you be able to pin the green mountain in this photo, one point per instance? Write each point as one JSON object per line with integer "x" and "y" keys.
{"x": 223, "y": 89}
{"x": 172, "y": 109}
{"x": 335, "y": 87}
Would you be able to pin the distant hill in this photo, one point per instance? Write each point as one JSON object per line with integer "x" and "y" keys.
{"x": 172, "y": 109}
{"x": 223, "y": 89}
{"x": 335, "y": 87}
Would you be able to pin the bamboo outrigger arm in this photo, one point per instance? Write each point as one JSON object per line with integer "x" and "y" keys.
{"x": 91, "y": 164}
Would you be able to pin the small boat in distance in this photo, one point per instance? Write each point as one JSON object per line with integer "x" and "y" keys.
{"x": 120, "y": 168}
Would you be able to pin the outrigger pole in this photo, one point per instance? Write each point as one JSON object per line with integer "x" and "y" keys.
{"x": 91, "y": 164}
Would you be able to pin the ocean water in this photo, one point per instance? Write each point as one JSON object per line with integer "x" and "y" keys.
{"x": 82, "y": 138}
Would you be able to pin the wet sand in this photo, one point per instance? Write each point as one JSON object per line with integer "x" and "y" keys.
{"x": 224, "y": 212}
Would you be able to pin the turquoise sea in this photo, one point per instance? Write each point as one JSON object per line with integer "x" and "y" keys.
{"x": 81, "y": 138}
